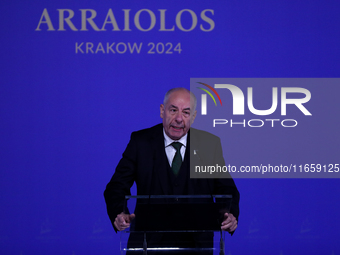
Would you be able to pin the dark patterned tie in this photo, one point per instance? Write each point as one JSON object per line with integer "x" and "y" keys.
{"x": 177, "y": 161}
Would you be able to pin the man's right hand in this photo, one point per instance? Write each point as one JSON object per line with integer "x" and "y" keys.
{"x": 123, "y": 220}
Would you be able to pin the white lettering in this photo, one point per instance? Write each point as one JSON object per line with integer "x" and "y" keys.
{"x": 289, "y": 120}
{"x": 127, "y": 19}
{"x": 67, "y": 20}
{"x": 272, "y": 120}
{"x": 298, "y": 102}
{"x": 47, "y": 21}
{"x": 262, "y": 123}
{"x": 89, "y": 47}
{"x": 89, "y": 20}
{"x": 135, "y": 47}
{"x": 78, "y": 48}
{"x": 152, "y": 20}
{"x": 204, "y": 104}
{"x": 262, "y": 112}
{"x": 220, "y": 121}
{"x": 100, "y": 48}
{"x": 240, "y": 123}
{"x": 162, "y": 28}
{"x": 109, "y": 47}
{"x": 185, "y": 20}
{"x": 112, "y": 21}
{"x": 208, "y": 20}
{"x": 253, "y": 122}
{"x": 238, "y": 97}
{"x": 124, "y": 48}
{"x": 179, "y": 21}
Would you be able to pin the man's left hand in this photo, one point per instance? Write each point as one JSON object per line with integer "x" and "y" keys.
{"x": 229, "y": 223}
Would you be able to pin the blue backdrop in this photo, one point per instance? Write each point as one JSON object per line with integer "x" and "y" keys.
{"x": 72, "y": 90}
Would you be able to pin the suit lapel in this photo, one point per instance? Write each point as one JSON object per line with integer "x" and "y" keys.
{"x": 196, "y": 159}
{"x": 160, "y": 167}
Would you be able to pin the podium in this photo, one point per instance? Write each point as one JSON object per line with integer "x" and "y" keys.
{"x": 175, "y": 224}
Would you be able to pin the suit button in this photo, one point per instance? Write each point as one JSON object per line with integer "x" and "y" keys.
{"x": 176, "y": 184}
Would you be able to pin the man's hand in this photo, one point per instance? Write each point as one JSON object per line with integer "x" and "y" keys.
{"x": 229, "y": 223}
{"x": 123, "y": 220}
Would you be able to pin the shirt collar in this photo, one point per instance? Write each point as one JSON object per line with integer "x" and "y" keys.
{"x": 168, "y": 140}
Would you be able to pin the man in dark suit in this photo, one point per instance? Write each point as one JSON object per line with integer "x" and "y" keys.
{"x": 158, "y": 168}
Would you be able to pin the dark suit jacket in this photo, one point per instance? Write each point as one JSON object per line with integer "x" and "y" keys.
{"x": 144, "y": 161}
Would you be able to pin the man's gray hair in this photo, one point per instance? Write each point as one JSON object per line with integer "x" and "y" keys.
{"x": 192, "y": 96}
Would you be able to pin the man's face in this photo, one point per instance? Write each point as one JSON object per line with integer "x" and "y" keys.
{"x": 177, "y": 114}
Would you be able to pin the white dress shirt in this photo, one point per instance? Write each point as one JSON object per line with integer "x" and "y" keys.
{"x": 170, "y": 150}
